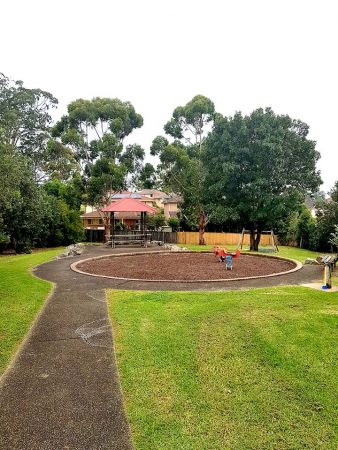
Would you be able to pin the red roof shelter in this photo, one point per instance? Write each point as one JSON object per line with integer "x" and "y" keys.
{"x": 129, "y": 205}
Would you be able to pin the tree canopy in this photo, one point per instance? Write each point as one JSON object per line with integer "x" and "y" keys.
{"x": 97, "y": 127}
{"x": 147, "y": 178}
{"x": 29, "y": 214}
{"x": 259, "y": 168}
{"x": 181, "y": 161}
{"x": 251, "y": 171}
{"x": 95, "y": 131}
{"x": 25, "y": 121}
{"x": 189, "y": 123}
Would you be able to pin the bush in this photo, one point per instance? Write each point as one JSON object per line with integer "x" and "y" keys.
{"x": 306, "y": 229}
{"x": 155, "y": 221}
{"x": 120, "y": 226}
{"x": 299, "y": 229}
{"x": 4, "y": 237}
{"x": 334, "y": 238}
{"x": 327, "y": 219}
{"x": 174, "y": 223}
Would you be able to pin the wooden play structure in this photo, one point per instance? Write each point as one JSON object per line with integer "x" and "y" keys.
{"x": 272, "y": 240}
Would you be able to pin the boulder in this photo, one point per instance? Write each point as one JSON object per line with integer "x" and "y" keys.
{"x": 156, "y": 243}
{"x": 72, "y": 250}
{"x": 175, "y": 248}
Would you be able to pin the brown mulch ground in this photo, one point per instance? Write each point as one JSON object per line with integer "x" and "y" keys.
{"x": 183, "y": 266}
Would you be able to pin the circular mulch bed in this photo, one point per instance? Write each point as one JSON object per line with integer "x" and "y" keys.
{"x": 183, "y": 267}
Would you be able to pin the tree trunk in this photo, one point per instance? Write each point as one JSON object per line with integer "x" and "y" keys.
{"x": 255, "y": 238}
{"x": 106, "y": 222}
{"x": 201, "y": 240}
{"x": 14, "y": 244}
{"x": 202, "y": 222}
{"x": 252, "y": 240}
{"x": 106, "y": 232}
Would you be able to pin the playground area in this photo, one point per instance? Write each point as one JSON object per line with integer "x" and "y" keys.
{"x": 183, "y": 266}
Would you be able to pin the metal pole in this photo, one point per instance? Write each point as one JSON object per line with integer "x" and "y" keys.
{"x": 145, "y": 229}
{"x": 112, "y": 218}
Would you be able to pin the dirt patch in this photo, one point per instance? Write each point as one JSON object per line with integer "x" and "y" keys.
{"x": 183, "y": 266}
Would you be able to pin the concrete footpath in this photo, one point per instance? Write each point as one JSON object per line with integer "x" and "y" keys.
{"x": 62, "y": 390}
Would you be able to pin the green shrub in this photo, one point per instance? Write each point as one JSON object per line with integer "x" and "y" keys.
{"x": 334, "y": 238}
{"x": 174, "y": 223}
{"x": 155, "y": 221}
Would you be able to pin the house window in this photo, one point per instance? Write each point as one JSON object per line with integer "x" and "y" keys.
{"x": 89, "y": 221}
{"x": 100, "y": 221}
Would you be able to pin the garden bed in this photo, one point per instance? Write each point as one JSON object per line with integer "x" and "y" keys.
{"x": 183, "y": 267}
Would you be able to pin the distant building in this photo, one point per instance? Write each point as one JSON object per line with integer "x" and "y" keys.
{"x": 153, "y": 193}
{"x": 156, "y": 196}
{"x": 311, "y": 202}
{"x": 126, "y": 194}
{"x": 171, "y": 206}
{"x": 92, "y": 220}
{"x": 168, "y": 202}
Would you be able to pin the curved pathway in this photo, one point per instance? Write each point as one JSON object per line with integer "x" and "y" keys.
{"x": 62, "y": 390}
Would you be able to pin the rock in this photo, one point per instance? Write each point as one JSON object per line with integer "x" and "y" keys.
{"x": 311, "y": 261}
{"x": 62, "y": 255}
{"x": 72, "y": 250}
{"x": 156, "y": 243}
{"x": 175, "y": 248}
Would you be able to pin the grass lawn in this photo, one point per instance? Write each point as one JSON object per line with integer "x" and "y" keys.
{"x": 298, "y": 254}
{"x": 21, "y": 297}
{"x": 249, "y": 369}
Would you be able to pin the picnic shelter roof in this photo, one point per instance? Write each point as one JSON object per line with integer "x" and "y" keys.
{"x": 129, "y": 205}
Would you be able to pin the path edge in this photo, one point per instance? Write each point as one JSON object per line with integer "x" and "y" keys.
{"x": 29, "y": 333}
{"x": 123, "y": 399}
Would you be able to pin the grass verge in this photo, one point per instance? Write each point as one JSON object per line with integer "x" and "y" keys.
{"x": 22, "y": 296}
{"x": 237, "y": 370}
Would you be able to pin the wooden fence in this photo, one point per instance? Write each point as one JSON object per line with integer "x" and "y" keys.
{"x": 185, "y": 237}
{"x": 192, "y": 238}
{"x": 164, "y": 236}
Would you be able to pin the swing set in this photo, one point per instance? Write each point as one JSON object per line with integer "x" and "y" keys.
{"x": 272, "y": 241}
{"x": 223, "y": 254}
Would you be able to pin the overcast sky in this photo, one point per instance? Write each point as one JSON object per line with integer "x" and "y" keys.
{"x": 243, "y": 54}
